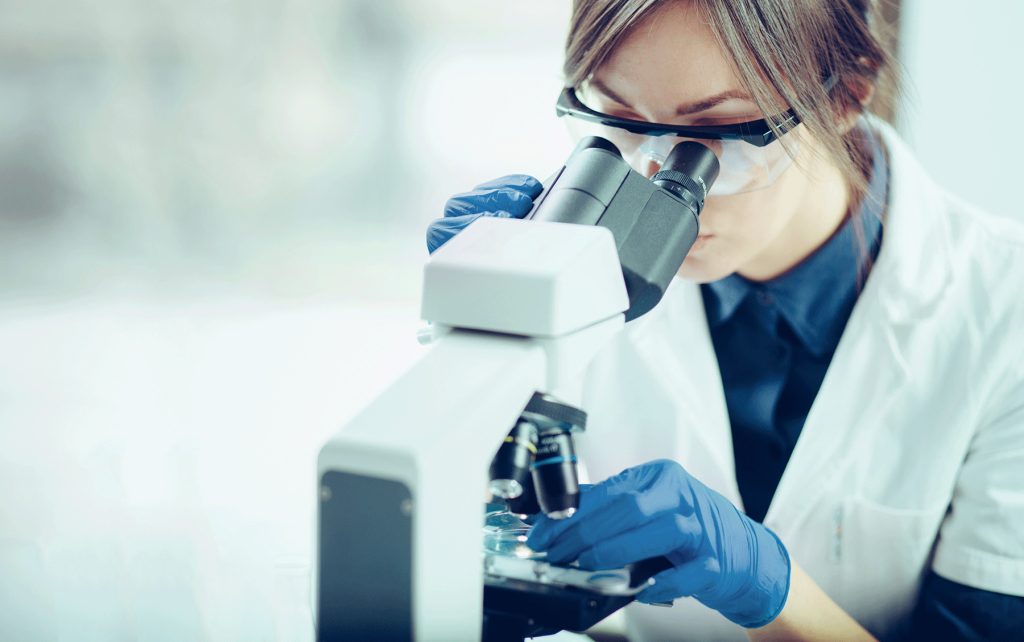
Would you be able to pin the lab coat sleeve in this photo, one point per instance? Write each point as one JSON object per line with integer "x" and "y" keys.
{"x": 981, "y": 542}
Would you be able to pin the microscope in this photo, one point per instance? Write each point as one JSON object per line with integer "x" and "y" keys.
{"x": 518, "y": 309}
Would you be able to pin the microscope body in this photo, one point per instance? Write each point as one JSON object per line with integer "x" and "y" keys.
{"x": 402, "y": 485}
{"x": 518, "y": 307}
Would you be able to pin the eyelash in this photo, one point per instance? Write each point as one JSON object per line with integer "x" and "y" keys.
{"x": 705, "y": 122}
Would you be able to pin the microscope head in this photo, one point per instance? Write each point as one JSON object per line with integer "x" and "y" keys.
{"x": 654, "y": 222}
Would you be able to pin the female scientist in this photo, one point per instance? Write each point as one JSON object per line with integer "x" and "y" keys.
{"x": 830, "y": 395}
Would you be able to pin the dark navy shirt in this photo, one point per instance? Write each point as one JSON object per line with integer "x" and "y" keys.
{"x": 774, "y": 341}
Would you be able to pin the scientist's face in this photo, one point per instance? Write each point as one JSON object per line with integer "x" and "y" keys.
{"x": 671, "y": 60}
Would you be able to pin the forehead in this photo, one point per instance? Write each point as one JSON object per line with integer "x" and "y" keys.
{"x": 670, "y": 57}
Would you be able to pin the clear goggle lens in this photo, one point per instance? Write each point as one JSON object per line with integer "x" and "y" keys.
{"x": 743, "y": 167}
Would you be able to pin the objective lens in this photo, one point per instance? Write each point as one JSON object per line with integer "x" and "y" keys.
{"x": 525, "y": 504}
{"x": 510, "y": 467}
{"x": 505, "y": 488}
{"x": 554, "y": 474}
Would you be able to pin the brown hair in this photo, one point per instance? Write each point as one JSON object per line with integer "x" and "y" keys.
{"x": 781, "y": 48}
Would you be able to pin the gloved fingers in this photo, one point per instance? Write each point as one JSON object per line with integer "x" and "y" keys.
{"x": 520, "y": 182}
{"x": 614, "y": 506}
{"x": 663, "y": 485}
{"x": 659, "y": 473}
{"x": 619, "y": 514}
{"x": 693, "y": 577}
{"x": 659, "y": 536}
{"x": 441, "y": 230}
{"x": 480, "y": 201}
{"x": 620, "y": 503}
{"x": 545, "y": 529}
{"x": 536, "y": 518}
{"x": 634, "y": 478}
{"x": 660, "y": 591}
{"x": 660, "y": 484}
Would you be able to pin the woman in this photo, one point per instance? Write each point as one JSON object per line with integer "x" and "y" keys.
{"x": 839, "y": 358}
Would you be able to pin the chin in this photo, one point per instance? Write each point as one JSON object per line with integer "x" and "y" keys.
{"x": 704, "y": 269}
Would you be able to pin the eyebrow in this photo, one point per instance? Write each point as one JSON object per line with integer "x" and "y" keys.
{"x": 685, "y": 108}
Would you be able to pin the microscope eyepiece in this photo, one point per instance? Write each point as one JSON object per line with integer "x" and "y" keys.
{"x": 596, "y": 142}
{"x": 688, "y": 173}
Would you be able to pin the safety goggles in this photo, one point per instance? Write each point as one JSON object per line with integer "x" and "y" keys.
{"x": 749, "y": 154}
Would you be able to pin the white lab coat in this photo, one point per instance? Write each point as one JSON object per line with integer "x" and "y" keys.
{"x": 912, "y": 455}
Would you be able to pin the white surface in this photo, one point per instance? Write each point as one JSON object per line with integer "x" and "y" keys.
{"x": 530, "y": 278}
{"x": 157, "y": 461}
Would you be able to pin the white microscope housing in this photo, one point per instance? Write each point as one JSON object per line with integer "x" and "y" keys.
{"x": 517, "y": 307}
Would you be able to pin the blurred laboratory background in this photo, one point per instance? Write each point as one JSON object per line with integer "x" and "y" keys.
{"x": 211, "y": 233}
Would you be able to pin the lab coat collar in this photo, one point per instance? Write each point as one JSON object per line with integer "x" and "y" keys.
{"x": 913, "y": 267}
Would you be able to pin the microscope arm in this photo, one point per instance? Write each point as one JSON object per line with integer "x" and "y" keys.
{"x": 401, "y": 491}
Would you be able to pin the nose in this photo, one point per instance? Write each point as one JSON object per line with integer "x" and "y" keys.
{"x": 651, "y": 153}
{"x": 649, "y": 167}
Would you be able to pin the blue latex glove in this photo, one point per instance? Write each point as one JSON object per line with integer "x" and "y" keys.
{"x": 506, "y": 197}
{"x": 721, "y": 557}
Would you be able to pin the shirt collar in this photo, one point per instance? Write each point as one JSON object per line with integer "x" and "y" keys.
{"x": 816, "y": 296}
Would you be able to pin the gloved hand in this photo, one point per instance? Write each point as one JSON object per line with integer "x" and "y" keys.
{"x": 506, "y": 197}
{"x": 723, "y": 558}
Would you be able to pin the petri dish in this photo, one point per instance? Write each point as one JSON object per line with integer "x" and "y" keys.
{"x": 505, "y": 534}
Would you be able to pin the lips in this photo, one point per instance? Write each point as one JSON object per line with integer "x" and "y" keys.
{"x": 702, "y": 240}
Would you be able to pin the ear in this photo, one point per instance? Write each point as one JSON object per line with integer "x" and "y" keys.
{"x": 861, "y": 90}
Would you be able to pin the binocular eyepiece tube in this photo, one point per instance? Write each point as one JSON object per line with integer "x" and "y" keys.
{"x": 687, "y": 173}
{"x": 654, "y": 222}
{"x": 535, "y": 467}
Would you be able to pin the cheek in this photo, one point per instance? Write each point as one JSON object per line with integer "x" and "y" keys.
{"x": 742, "y": 226}
{"x": 757, "y": 217}
{"x": 745, "y": 215}
{"x": 743, "y": 218}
